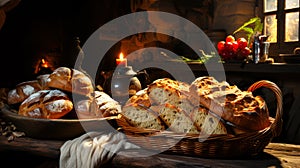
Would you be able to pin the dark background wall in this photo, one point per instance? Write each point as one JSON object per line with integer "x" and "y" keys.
{"x": 35, "y": 28}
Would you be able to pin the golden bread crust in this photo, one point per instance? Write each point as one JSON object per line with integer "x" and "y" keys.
{"x": 49, "y": 104}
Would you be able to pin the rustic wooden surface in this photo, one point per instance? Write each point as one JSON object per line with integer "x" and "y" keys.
{"x": 274, "y": 155}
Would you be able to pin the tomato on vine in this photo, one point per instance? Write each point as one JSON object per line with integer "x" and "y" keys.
{"x": 242, "y": 42}
{"x": 220, "y": 45}
{"x": 230, "y": 38}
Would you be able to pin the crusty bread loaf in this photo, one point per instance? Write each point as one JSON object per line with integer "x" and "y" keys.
{"x": 71, "y": 80}
{"x": 22, "y": 91}
{"x": 43, "y": 81}
{"x": 49, "y": 104}
{"x": 176, "y": 119}
{"x": 241, "y": 108}
{"x": 206, "y": 122}
{"x": 101, "y": 105}
{"x": 142, "y": 117}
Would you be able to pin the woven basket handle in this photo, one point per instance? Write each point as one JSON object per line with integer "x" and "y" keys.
{"x": 277, "y": 125}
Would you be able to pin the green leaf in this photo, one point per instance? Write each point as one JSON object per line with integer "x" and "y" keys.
{"x": 251, "y": 21}
{"x": 248, "y": 30}
{"x": 258, "y": 26}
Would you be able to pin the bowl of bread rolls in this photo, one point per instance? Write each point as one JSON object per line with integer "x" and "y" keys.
{"x": 45, "y": 108}
{"x": 205, "y": 118}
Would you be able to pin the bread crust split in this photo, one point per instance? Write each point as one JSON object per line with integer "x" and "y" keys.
{"x": 48, "y": 104}
{"x": 22, "y": 91}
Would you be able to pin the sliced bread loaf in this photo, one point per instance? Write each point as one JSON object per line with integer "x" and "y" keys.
{"x": 240, "y": 108}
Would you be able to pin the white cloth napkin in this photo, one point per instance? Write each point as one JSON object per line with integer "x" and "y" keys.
{"x": 92, "y": 149}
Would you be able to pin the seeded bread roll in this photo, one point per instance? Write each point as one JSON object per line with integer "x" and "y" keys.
{"x": 241, "y": 108}
{"x": 22, "y": 91}
{"x": 176, "y": 119}
{"x": 101, "y": 105}
{"x": 206, "y": 122}
{"x": 142, "y": 117}
{"x": 71, "y": 80}
{"x": 49, "y": 104}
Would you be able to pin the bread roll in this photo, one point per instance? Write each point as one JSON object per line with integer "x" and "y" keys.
{"x": 142, "y": 117}
{"x": 71, "y": 80}
{"x": 206, "y": 122}
{"x": 241, "y": 108}
{"x": 22, "y": 91}
{"x": 49, "y": 104}
{"x": 101, "y": 105}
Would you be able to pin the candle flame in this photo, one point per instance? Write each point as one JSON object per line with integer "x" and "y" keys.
{"x": 121, "y": 56}
{"x": 44, "y": 63}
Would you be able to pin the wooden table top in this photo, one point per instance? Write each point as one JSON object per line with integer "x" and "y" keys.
{"x": 274, "y": 155}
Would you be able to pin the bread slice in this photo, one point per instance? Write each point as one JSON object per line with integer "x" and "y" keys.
{"x": 240, "y": 108}
{"x": 176, "y": 119}
{"x": 206, "y": 122}
{"x": 141, "y": 97}
{"x": 166, "y": 90}
{"x": 142, "y": 117}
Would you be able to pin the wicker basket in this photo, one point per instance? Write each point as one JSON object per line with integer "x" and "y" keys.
{"x": 215, "y": 146}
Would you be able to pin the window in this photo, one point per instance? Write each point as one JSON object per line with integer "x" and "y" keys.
{"x": 281, "y": 25}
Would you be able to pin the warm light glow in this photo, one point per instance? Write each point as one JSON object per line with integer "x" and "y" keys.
{"x": 121, "y": 61}
{"x": 44, "y": 63}
{"x": 121, "y": 56}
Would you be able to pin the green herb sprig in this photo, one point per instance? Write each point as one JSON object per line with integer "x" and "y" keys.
{"x": 252, "y": 27}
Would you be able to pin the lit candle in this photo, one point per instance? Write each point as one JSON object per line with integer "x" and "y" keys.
{"x": 44, "y": 63}
{"x": 121, "y": 61}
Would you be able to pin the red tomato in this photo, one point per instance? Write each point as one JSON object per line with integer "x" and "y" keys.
{"x": 230, "y": 38}
{"x": 224, "y": 54}
{"x": 227, "y": 55}
{"x": 220, "y": 45}
{"x": 235, "y": 46}
{"x": 242, "y": 43}
{"x": 228, "y": 46}
{"x": 245, "y": 52}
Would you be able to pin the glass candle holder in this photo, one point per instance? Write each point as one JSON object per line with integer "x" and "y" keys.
{"x": 124, "y": 84}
